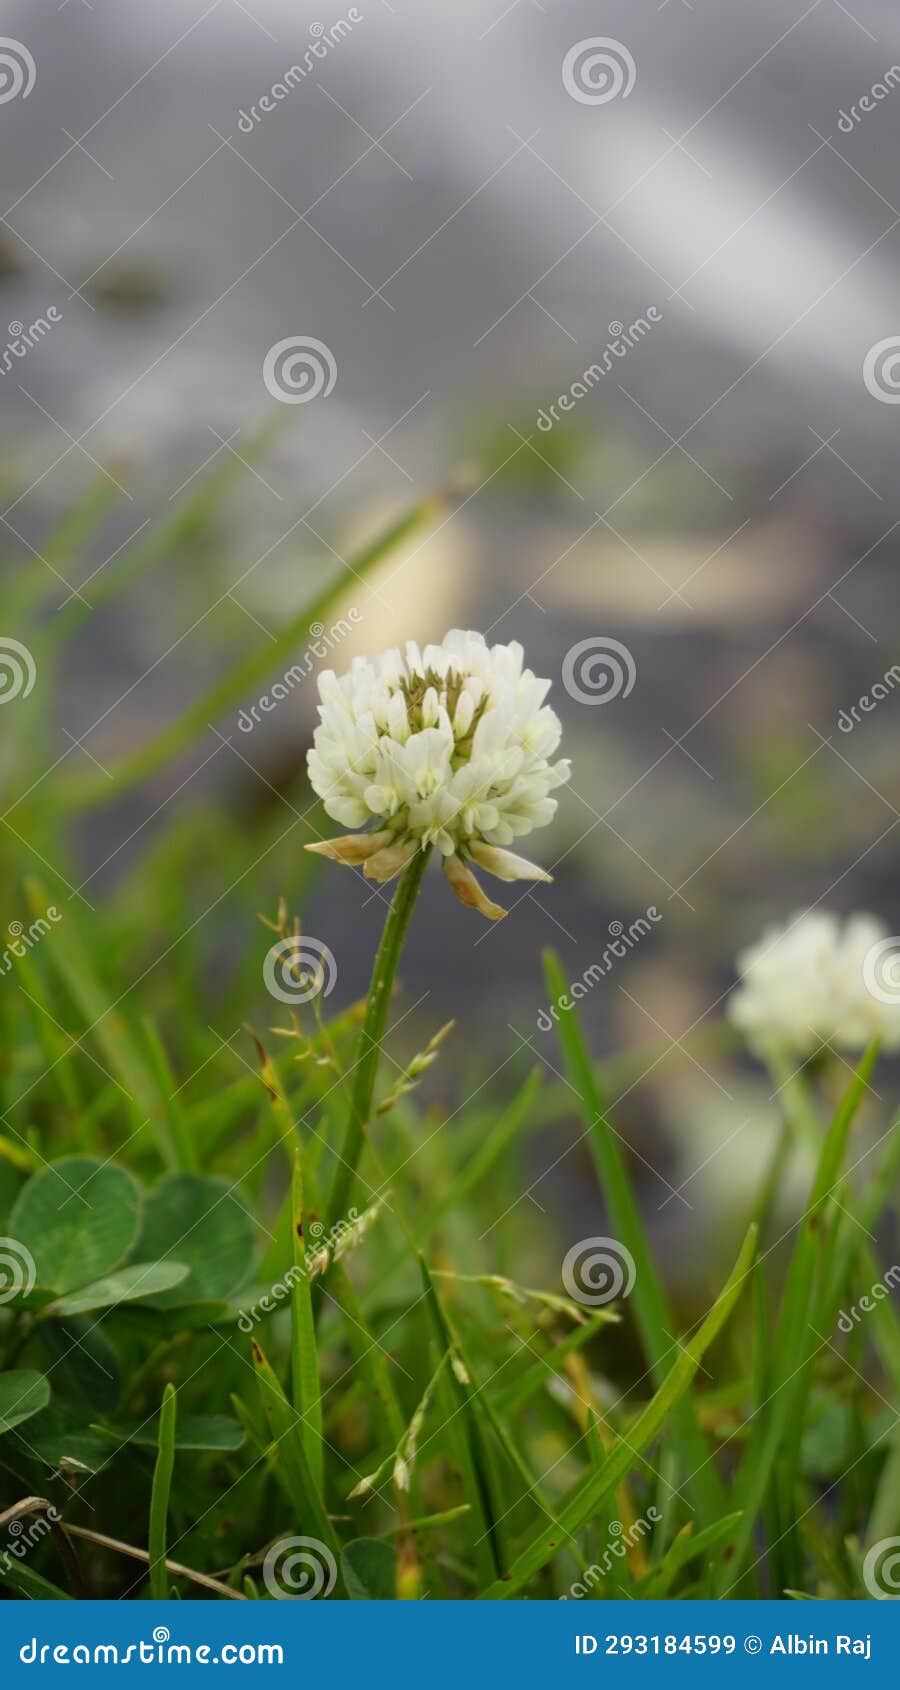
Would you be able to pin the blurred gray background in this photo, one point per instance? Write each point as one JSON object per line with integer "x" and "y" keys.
{"x": 433, "y": 205}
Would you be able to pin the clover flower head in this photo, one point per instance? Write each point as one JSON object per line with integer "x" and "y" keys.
{"x": 814, "y": 982}
{"x": 450, "y": 746}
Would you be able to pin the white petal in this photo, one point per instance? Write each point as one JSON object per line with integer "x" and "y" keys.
{"x": 505, "y": 864}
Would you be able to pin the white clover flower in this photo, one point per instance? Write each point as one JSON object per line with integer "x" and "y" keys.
{"x": 448, "y": 746}
{"x": 806, "y": 985}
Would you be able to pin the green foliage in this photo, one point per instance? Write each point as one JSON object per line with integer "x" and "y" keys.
{"x": 204, "y": 1223}
{"x": 77, "y": 1219}
{"x": 159, "y": 1495}
{"x": 259, "y": 1294}
{"x": 369, "y": 1566}
{"x": 22, "y": 1394}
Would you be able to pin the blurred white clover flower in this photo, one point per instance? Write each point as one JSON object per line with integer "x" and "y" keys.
{"x": 447, "y": 746}
{"x": 810, "y": 983}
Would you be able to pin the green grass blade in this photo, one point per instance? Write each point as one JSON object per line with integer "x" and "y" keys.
{"x": 159, "y": 1497}
{"x": 590, "y": 1494}
{"x": 28, "y": 1584}
{"x": 305, "y": 1387}
{"x": 290, "y": 1455}
{"x": 653, "y": 1318}
{"x": 249, "y": 671}
{"x": 69, "y": 954}
{"x": 59, "y": 548}
{"x": 492, "y": 1146}
{"x": 179, "y": 1139}
{"x": 465, "y": 1410}
{"x": 548, "y": 1363}
{"x": 687, "y": 1546}
{"x": 788, "y": 1376}
{"x": 370, "y": 1356}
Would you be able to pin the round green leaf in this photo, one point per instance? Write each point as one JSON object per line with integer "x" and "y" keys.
{"x": 142, "y": 1279}
{"x": 62, "y": 1435}
{"x": 192, "y": 1431}
{"x": 22, "y": 1394}
{"x": 189, "y": 1218}
{"x": 369, "y": 1566}
{"x": 77, "y": 1219}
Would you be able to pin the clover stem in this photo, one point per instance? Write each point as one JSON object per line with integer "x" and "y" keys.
{"x": 365, "y": 1069}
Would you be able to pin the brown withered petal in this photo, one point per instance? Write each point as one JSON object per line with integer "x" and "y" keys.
{"x": 385, "y": 864}
{"x": 351, "y": 847}
{"x": 468, "y": 890}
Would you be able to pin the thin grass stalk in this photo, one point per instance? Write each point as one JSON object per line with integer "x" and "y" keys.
{"x": 159, "y": 1497}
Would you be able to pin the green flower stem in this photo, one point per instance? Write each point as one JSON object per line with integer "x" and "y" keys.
{"x": 365, "y": 1068}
